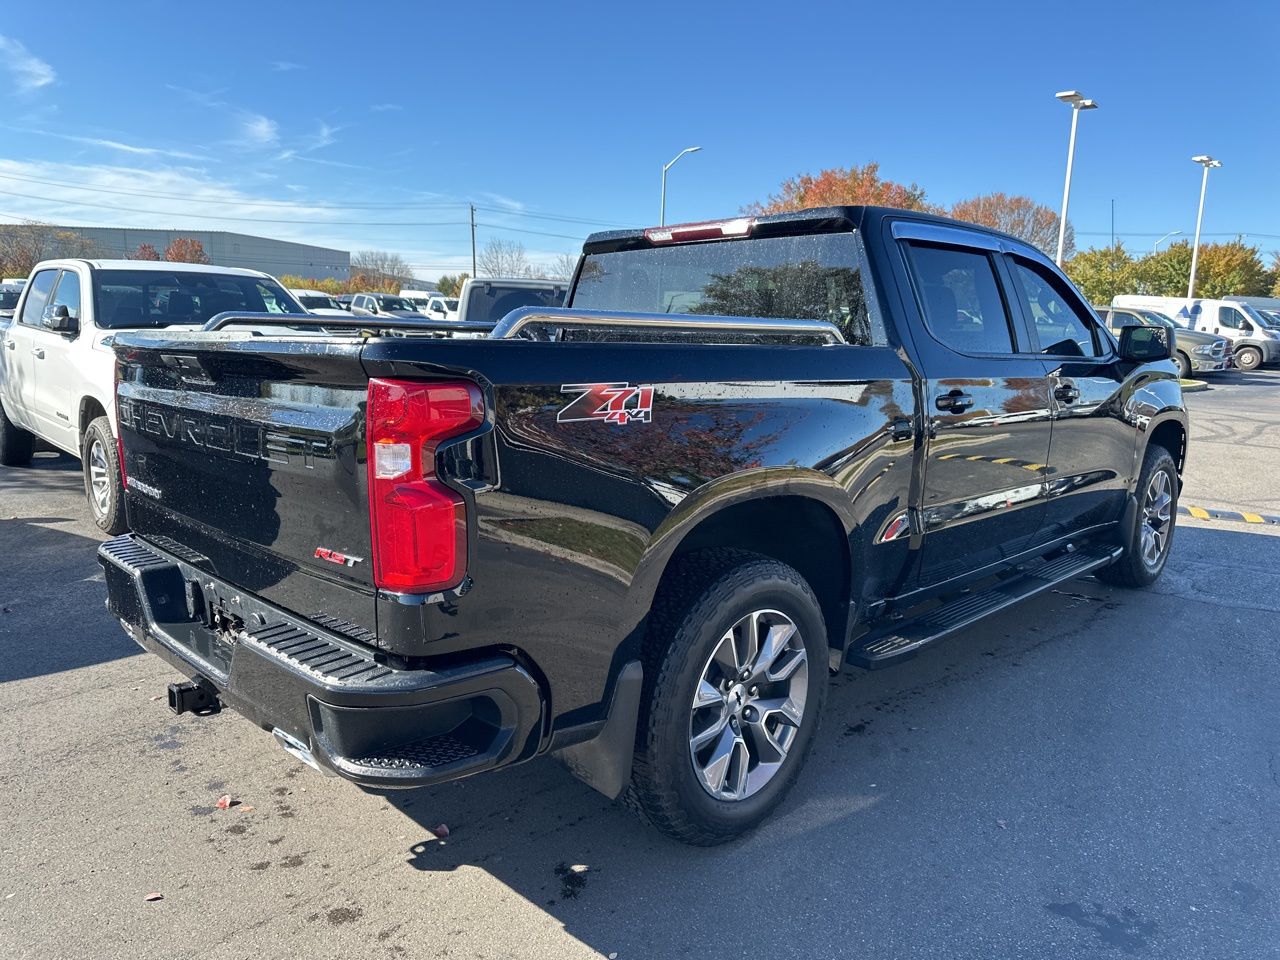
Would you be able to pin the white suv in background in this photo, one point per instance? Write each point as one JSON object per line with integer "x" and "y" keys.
{"x": 57, "y": 371}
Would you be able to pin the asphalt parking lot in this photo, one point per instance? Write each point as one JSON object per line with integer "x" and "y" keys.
{"x": 1096, "y": 774}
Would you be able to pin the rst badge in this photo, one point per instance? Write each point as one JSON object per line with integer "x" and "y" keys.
{"x": 333, "y": 556}
{"x": 618, "y": 403}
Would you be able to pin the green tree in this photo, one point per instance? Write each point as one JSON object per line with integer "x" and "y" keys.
{"x": 1275, "y": 275}
{"x": 1165, "y": 274}
{"x": 451, "y": 283}
{"x": 1103, "y": 272}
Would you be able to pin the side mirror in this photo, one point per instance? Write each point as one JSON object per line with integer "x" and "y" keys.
{"x": 1145, "y": 344}
{"x": 61, "y": 321}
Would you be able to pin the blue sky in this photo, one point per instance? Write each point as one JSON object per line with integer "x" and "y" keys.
{"x": 371, "y": 126}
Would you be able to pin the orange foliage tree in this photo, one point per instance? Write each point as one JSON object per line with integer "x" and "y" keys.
{"x": 186, "y": 250}
{"x": 841, "y": 185}
{"x": 145, "y": 251}
{"x": 1020, "y": 216}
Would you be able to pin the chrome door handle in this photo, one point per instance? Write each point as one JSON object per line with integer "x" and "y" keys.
{"x": 1067, "y": 393}
{"x": 11, "y": 345}
{"x": 38, "y": 352}
{"x": 953, "y": 402}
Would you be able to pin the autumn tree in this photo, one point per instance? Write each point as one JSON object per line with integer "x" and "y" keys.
{"x": 1275, "y": 275}
{"x": 23, "y": 245}
{"x": 1230, "y": 269}
{"x": 145, "y": 251}
{"x": 386, "y": 271}
{"x": 562, "y": 267}
{"x": 450, "y": 284}
{"x": 1103, "y": 272}
{"x": 1017, "y": 215}
{"x": 186, "y": 250}
{"x": 842, "y": 185}
{"x": 503, "y": 258}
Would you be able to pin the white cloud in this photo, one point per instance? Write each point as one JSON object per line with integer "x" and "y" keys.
{"x": 323, "y": 137}
{"x": 258, "y": 130}
{"x": 284, "y": 66}
{"x": 117, "y": 145}
{"x": 384, "y": 107}
{"x": 30, "y": 73}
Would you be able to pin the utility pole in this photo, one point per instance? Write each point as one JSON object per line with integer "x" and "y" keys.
{"x": 473, "y": 239}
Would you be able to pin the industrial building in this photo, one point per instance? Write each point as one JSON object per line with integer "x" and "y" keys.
{"x": 275, "y": 257}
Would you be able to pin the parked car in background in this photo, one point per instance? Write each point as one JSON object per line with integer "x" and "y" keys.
{"x": 383, "y": 305}
{"x": 643, "y": 548}
{"x": 319, "y": 302}
{"x": 1197, "y": 352}
{"x": 57, "y": 371}
{"x": 9, "y": 294}
{"x": 1253, "y": 341}
{"x": 344, "y": 301}
{"x": 441, "y": 307}
{"x": 488, "y": 301}
{"x": 419, "y": 298}
{"x": 17, "y": 281}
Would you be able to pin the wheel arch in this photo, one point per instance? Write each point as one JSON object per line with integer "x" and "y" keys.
{"x": 91, "y": 407}
{"x": 759, "y": 511}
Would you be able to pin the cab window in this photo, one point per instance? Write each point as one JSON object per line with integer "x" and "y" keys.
{"x": 68, "y": 294}
{"x": 961, "y": 299}
{"x": 38, "y": 291}
{"x": 1065, "y": 328}
{"x": 1233, "y": 319}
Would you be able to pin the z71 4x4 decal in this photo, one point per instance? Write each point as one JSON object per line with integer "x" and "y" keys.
{"x": 618, "y": 403}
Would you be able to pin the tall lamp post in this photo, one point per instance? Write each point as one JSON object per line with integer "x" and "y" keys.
{"x": 662, "y": 216}
{"x": 1078, "y": 102}
{"x": 1205, "y": 161}
{"x": 1172, "y": 233}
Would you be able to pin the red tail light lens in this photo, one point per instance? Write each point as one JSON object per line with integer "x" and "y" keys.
{"x": 419, "y": 524}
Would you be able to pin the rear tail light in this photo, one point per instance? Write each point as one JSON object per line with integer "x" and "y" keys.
{"x": 419, "y": 524}
{"x": 707, "y": 230}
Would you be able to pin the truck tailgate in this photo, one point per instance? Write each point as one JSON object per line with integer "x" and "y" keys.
{"x": 246, "y": 457}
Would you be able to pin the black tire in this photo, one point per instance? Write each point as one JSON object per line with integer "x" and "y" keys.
{"x": 1248, "y": 359}
{"x": 1133, "y": 569}
{"x": 1184, "y": 365}
{"x": 16, "y": 444}
{"x": 701, "y": 600}
{"x": 99, "y": 460}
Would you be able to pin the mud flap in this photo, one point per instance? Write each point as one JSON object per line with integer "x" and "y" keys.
{"x": 604, "y": 763}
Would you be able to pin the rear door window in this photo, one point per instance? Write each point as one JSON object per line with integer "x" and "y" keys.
{"x": 39, "y": 288}
{"x": 1064, "y": 326}
{"x": 961, "y": 299}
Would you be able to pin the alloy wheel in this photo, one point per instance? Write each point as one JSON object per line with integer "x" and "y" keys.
{"x": 1157, "y": 518}
{"x": 99, "y": 477}
{"x": 748, "y": 705}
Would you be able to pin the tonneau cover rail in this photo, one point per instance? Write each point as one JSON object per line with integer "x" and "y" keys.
{"x": 235, "y": 318}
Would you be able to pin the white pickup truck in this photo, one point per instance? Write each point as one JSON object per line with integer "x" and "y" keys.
{"x": 57, "y": 371}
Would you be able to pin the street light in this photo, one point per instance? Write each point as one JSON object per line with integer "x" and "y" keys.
{"x": 662, "y": 216}
{"x": 1205, "y": 161}
{"x": 1172, "y": 233}
{"x": 1078, "y": 103}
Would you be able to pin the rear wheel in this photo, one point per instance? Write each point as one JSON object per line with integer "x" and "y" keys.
{"x": 735, "y": 676}
{"x": 1248, "y": 358}
{"x": 1148, "y": 541}
{"x": 102, "y": 484}
{"x": 1184, "y": 365}
{"x": 16, "y": 444}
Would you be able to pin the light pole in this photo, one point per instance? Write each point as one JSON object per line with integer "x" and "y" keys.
{"x": 662, "y": 215}
{"x": 1205, "y": 161}
{"x": 1172, "y": 233}
{"x": 1078, "y": 103}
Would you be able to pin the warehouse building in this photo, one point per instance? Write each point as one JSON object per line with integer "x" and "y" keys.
{"x": 275, "y": 257}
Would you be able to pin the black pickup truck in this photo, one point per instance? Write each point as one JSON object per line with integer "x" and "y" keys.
{"x": 637, "y": 533}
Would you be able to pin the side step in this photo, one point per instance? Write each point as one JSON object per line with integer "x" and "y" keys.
{"x": 901, "y": 639}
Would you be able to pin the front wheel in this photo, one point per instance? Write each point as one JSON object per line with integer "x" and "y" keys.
{"x": 102, "y": 483}
{"x": 1248, "y": 358}
{"x": 735, "y": 677}
{"x": 1184, "y": 365}
{"x": 1147, "y": 542}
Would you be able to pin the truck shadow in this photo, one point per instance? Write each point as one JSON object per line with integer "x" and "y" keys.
{"x": 921, "y": 798}
{"x": 51, "y": 592}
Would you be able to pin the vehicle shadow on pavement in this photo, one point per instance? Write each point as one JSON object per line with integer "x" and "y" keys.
{"x": 1003, "y": 789}
{"x": 51, "y": 591}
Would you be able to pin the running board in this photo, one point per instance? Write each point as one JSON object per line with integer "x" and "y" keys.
{"x": 901, "y": 639}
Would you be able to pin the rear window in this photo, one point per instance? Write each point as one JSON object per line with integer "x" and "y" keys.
{"x": 811, "y": 277}
{"x": 158, "y": 298}
{"x": 490, "y": 302}
{"x": 9, "y": 298}
{"x": 320, "y": 303}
